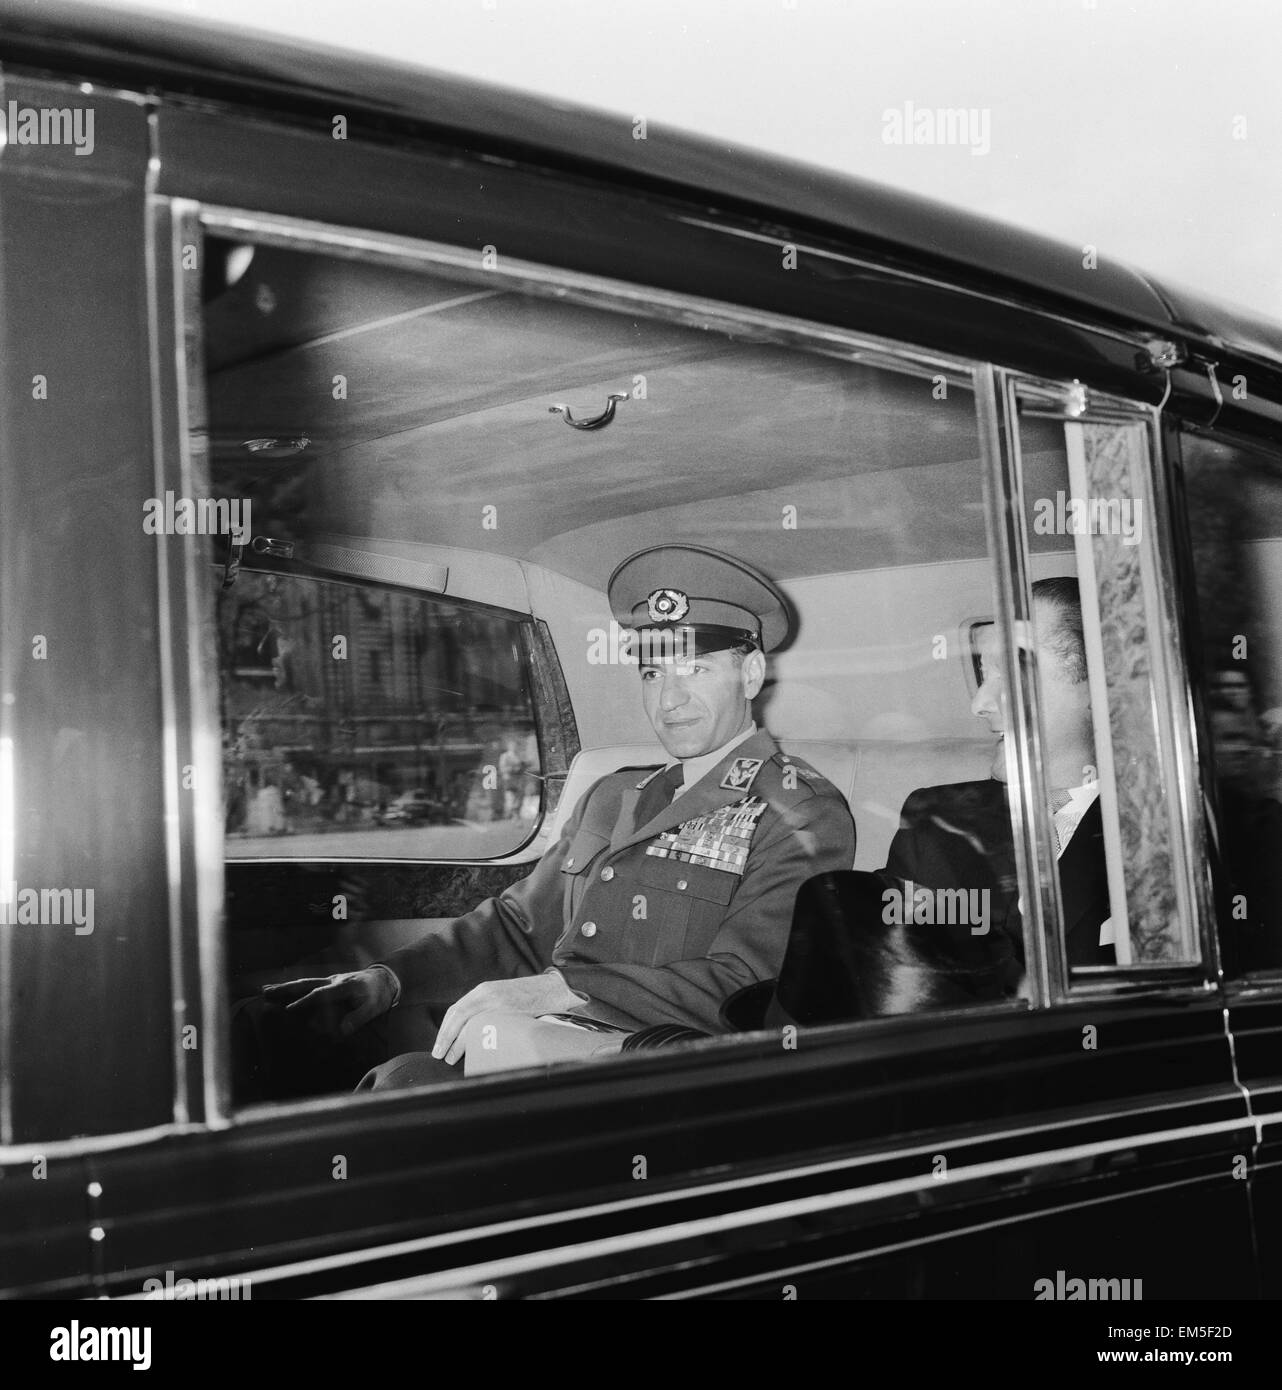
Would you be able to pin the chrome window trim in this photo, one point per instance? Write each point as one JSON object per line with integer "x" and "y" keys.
{"x": 1139, "y": 338}
{"x": 1183, "y": 755}
{"x": 451, "y": 1283}
{"x": 1263, "y": 984}
{"x": 166, "y": 623}
{"x": 204, "y": 811}
{"x": 342, "y": 1103}
{"x": 994, "y": 391}
{"x": 85, "y": 86}
{"x": 1045, "y": 969}
{"x": 207, "y": 808}
{"x": 1045, "y": 398}
{"x": 594, "y": 291}
{"x": 88, "y": 1144}
{"x": 8, "y": 806}
{"x": 1140, "y": 980}
{"x": 791, "y": 1208}
{"x": 938, "y": 1238}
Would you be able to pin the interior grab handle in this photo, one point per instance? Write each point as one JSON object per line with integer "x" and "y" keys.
{"x": 596, "y": 422}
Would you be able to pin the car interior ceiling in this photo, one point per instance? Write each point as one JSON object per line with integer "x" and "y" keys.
{"x": 447, "y": 410}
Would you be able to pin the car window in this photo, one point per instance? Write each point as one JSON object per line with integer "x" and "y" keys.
{"x": 439, "y": 465}
{"x": 360, "y": 721}
{"x": 1234, "y": 508}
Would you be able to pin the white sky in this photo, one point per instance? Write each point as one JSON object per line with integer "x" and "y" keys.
{"x": 1112, "y": 121}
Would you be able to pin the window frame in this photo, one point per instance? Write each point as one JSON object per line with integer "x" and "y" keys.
{"x": 527, "y": 641}
{"x": 187, "y": 221}
{"x": 1072, "y": 403}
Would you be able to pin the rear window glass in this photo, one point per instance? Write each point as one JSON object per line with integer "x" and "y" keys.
{"x": 360, "y": 721}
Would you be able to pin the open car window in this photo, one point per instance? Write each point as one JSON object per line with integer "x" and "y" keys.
{"x": 363, "y": 722}
{"x": 440, "y": 469}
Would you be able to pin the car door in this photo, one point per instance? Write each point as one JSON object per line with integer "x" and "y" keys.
{"x": 1229, "y": 487}
{"x": 1062, "y": 1130}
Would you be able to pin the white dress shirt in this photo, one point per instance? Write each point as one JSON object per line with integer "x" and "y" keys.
{"x": 1067, "y": 819}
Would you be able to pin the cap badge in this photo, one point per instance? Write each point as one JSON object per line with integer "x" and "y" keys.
{"x": 667, "y": 606}
{"x": 741, "y": 774}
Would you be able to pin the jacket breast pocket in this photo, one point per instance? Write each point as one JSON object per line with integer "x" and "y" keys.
{"x": 584, "y": 848}
{"x": 580, "y": 857}
{"x": 688, "y": 903}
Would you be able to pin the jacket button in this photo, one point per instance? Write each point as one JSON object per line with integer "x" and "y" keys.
{"x": 681, "y": 883}
{"x": 607, "y": 874}
{"x": 588, "y": 929}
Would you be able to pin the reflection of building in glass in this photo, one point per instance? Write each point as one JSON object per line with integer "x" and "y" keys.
{"x": 347, "y": 706}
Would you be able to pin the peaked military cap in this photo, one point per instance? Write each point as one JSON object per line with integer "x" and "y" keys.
{"x": 722, "y": 600}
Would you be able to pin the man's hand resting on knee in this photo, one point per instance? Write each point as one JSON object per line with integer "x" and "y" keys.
{"x": 529, "y": 994}
{"x": 337, "y": 1004}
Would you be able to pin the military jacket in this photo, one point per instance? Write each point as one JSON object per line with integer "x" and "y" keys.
{"x": 661, "y": 921}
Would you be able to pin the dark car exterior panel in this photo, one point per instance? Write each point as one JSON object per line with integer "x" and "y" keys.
{"x": 765, "y": 1168}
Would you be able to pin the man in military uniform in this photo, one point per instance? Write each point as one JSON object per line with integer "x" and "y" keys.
{"x": 669, "y": 888}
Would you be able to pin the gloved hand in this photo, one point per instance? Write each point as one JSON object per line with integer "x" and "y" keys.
{"x": 337, "y": 1005}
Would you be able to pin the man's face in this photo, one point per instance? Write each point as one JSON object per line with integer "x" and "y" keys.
{"x": 698, "y": 703}
{"x": 1068, "y": 742}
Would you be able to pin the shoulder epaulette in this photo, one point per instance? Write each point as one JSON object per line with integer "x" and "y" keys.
{"x": 806, "y": 775}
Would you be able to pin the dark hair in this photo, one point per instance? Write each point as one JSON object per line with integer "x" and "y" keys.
{"x": 742, "y": 649}
{"x": 1062, "y": 599}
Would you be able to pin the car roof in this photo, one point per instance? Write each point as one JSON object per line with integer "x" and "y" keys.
{"x": 181, "y": 57}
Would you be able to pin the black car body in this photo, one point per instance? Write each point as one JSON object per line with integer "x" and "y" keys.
{"x": 1087, "y": 1129}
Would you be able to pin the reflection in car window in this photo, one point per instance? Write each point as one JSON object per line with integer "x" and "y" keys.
{"x": 361, "y": 722}
{"x": 1235, "y": 520}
